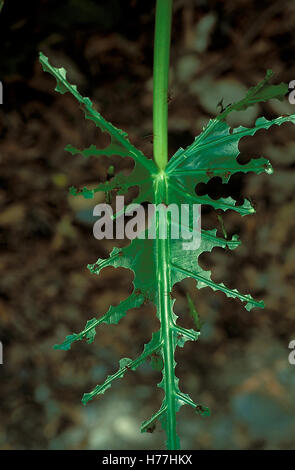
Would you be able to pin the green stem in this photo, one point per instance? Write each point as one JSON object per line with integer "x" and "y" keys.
{"x": 160, "y": 130}
{"x": 165, "y": 314}
{"x": 161, "y": 75}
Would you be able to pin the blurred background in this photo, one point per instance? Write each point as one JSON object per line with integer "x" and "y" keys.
{"x": 239, "y": 368}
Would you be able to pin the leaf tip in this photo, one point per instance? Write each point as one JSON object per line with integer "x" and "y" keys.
{"x": 86, "y": 398}
{"x": 203, "y": 410}
{"x": 269, "y": 169}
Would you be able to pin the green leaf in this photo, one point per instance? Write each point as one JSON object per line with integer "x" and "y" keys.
{"x": 118, "y": 137}
{"x": 262, "y": 92}
{"x": 112, "y": 317}
{"x": 215, "y": 150}
{"x": 92, "y": 150}
{"x": 159, "y": 263}
{"x": 193, "y": 312}
{"x": 125, "y": 365}
{"x": 220, "y": 219}
{"x": 157, "y": 362}
{"x": 203, "y": 410}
